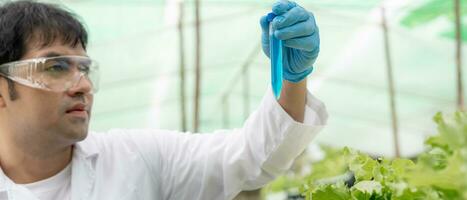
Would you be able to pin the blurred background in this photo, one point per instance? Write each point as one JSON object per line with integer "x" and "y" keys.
{"x": 385, "y": 67}
{"x": 148, "y": 50}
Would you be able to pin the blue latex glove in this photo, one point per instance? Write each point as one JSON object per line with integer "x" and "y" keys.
{"x": 299, "y": 32}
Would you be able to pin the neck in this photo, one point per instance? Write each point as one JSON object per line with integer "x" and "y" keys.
{"x": 24, "y": 166}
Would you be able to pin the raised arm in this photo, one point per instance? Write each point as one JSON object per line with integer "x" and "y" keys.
{"x": 293, "y": 98}
{"x": 218, "y": 166}
{"x": 297, "y": 28}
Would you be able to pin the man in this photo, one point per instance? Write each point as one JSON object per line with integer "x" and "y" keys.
{"x": 46, "y": 93}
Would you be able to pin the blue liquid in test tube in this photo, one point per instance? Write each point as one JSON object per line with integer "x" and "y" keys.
{"x": 276, "y": 59}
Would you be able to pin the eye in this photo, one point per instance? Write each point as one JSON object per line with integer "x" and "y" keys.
{"x": 57, "y": 66}
{"x": 84, "y": 67}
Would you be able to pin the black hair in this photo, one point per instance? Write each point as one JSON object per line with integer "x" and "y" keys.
{"x": 30, "y": 21}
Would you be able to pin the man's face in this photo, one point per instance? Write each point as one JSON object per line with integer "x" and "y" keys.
{"x": 39, "y": 115}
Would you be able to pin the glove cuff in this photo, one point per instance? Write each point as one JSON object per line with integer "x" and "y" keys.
{"x": 296, "y": 77}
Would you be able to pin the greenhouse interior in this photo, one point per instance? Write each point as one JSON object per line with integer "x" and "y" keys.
{"x": 389, "y": 73}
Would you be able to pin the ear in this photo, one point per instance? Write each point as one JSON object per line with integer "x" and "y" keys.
{"x": 2, "y": 101}
{"x": 3, "y": 92}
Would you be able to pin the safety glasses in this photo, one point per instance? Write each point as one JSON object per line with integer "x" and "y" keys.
{"x": 57, "y": 74}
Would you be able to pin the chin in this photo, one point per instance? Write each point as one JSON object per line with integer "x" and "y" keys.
{"x": 81, "y": 136}
{"x": 76, "y": 135}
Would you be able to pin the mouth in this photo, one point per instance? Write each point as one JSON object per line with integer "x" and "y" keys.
{"x": 78, "y": 110}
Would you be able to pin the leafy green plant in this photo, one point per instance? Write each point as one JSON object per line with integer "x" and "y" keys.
{"x": 438, "y": 173}
{"x": 293, "y": 183}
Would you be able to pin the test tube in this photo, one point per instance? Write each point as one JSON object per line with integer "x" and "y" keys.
{"x": 276, "y": 59}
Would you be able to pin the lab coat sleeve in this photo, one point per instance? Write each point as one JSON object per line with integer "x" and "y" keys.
{"x": 221, "y": 164}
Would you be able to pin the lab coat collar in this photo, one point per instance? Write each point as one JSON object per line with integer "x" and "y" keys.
{"x": 85, "y": 149}
{"x": 83, "y": 173}
{"x": 4, "y": 181}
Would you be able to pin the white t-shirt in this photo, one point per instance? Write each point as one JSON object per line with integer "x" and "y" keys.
{"x": 57, "y": 187}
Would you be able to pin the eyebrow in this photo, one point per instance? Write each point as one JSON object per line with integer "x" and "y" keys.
{"x": 55, "y": 54}
{"x": 51, "y": 54}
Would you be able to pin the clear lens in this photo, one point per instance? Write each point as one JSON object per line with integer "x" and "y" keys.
{"x": 54, "y": 74}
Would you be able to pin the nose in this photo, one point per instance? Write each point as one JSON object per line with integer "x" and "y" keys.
{"x": 83, "y": 86}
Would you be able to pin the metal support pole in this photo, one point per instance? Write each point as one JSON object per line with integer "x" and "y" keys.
{"x": 182, "y": 68}
{"x": 460, "y": 89}
{"x": 197, "y": 67}
{"x": 390, "y": 78}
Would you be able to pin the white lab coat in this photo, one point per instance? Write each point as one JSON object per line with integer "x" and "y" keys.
{"x": 159, "y": 164}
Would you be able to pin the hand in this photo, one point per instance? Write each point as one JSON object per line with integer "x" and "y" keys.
{"x": 299, "y": 32}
